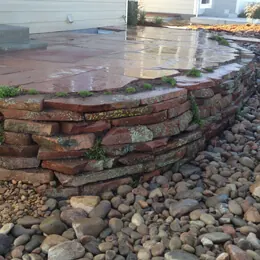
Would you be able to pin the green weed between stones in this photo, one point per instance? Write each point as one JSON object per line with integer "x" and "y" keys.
{"x": 147, "y": 86}
{"x": 85, "y": 93}
{"x": 195, "y": 73}
{"x": 169, "y": 80}
{"x": 32, "y": 92}
{"x": 209, "y": 70}
{"x": 61, "y": 94}
{"x": 158, "y": 20}
{"x": 220, "y": 40}
{"x": 195, "y": 111}
{"x": 108, "y": 93}
{"x": 96, "y": 152}
{"x": 6, "y": 91}
{"x": 130, "y": 90}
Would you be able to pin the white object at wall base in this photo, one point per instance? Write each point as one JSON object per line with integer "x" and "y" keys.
{"x": 70, "y": 18}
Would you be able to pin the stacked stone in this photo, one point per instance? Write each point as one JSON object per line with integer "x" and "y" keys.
{"x": 143, "y": 133}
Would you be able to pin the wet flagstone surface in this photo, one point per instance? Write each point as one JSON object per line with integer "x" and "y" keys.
{"x": 96, "y": 62}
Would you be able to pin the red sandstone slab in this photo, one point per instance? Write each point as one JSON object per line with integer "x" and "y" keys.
{"x": 98, "y": 103}
{"x": 28, "y": 127}
{"x": 86, "y": 127}
{"x": 171, "y": 127}
{"x": 19, "y": 151}
{"x": 170, "y": 157}
{"x": 119, "y": 113}
{"x": 51, "y": 115}
{"x": 66, "y": 143}
{"x": 151, "y": 146}
{"x": 126, "y": 135}
{"x": 136, "y": 158}
{"x": 92, "y": 177}
{"x": 178, "y": 141}
{"x": 94, "y": 166}
{"x": 191, "y": 83}
{"x": 160, "y": 94}
{"x": 71, "y": 166}
{"x": 98, "y": 188}
{"x": 46, "y": 154}
{"x": 118, "y": 150}
{"x": 18, "y": 162}
{"x": 176, "y": 111}
{"x": 38, "y": 176}
{"x": 17, "y": 138}
{"x": 157, "y": 107}
{"x": 141, "y": 120}
{"x": 26, "y": 102}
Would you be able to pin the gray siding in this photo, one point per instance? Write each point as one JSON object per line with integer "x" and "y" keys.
{"x": 51, "y": 15}
{"x": 219, "y": 7}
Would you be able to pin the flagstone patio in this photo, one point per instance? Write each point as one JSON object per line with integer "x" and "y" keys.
{"x": 76, "y": 61}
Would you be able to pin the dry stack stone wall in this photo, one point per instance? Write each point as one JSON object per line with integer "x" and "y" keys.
{"x": 141, "y": 134}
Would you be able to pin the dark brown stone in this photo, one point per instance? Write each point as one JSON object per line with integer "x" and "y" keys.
{"x": 19, "y": 151}
{"x": 69, "y": 166}
{"x": 27, "y": 175}
{"x": 98, "y": 188}
{"x": 46, "y": 154}
{"x": 135, "y": 158}
{"x": 86, "y": 127}
{"x": 17, "y": 138}
{"x": 151, "y": 146}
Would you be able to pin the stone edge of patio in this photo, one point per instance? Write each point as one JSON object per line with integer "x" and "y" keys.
{"x": 142, "y": 135}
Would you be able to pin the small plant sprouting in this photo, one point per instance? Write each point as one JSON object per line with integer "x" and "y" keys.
{"x": 209, "y": 69}
{"x": 33, "y": 92}
{"x": 158, "y": 20}
{"x": 147, "y": 86}
{"x": 96, "y": 152}
{"x": 169, "y": 80}
{"x": 61, "y": 94}
{"x": 195, "y": 111}
{"x": 108, "y": 93}
{"x": 130, "y": 90}
{"x": 220, "y": 40}
{"x": 6, "y": 91}
{"x": 194, "y": 73}
{"x": 85, "y": 93}
{"x": 141, "y": 17}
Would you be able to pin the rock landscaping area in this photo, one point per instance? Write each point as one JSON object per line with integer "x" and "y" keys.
{"x": 207, "y": 209}
{"x": 169, "y": 171}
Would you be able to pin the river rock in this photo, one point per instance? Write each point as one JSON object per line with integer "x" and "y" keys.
{"x": 88, "y": 226}
{"x": 183, "y": 207}
{"x": 87, "y": 203}
{"x": 68, "y": 250}
{"x": 179, "y": 255}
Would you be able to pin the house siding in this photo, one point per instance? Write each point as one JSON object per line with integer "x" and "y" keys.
{"x": 219, "y": 7}
{"x": 51, "y": 15}
{"x": 168, "y": 6}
